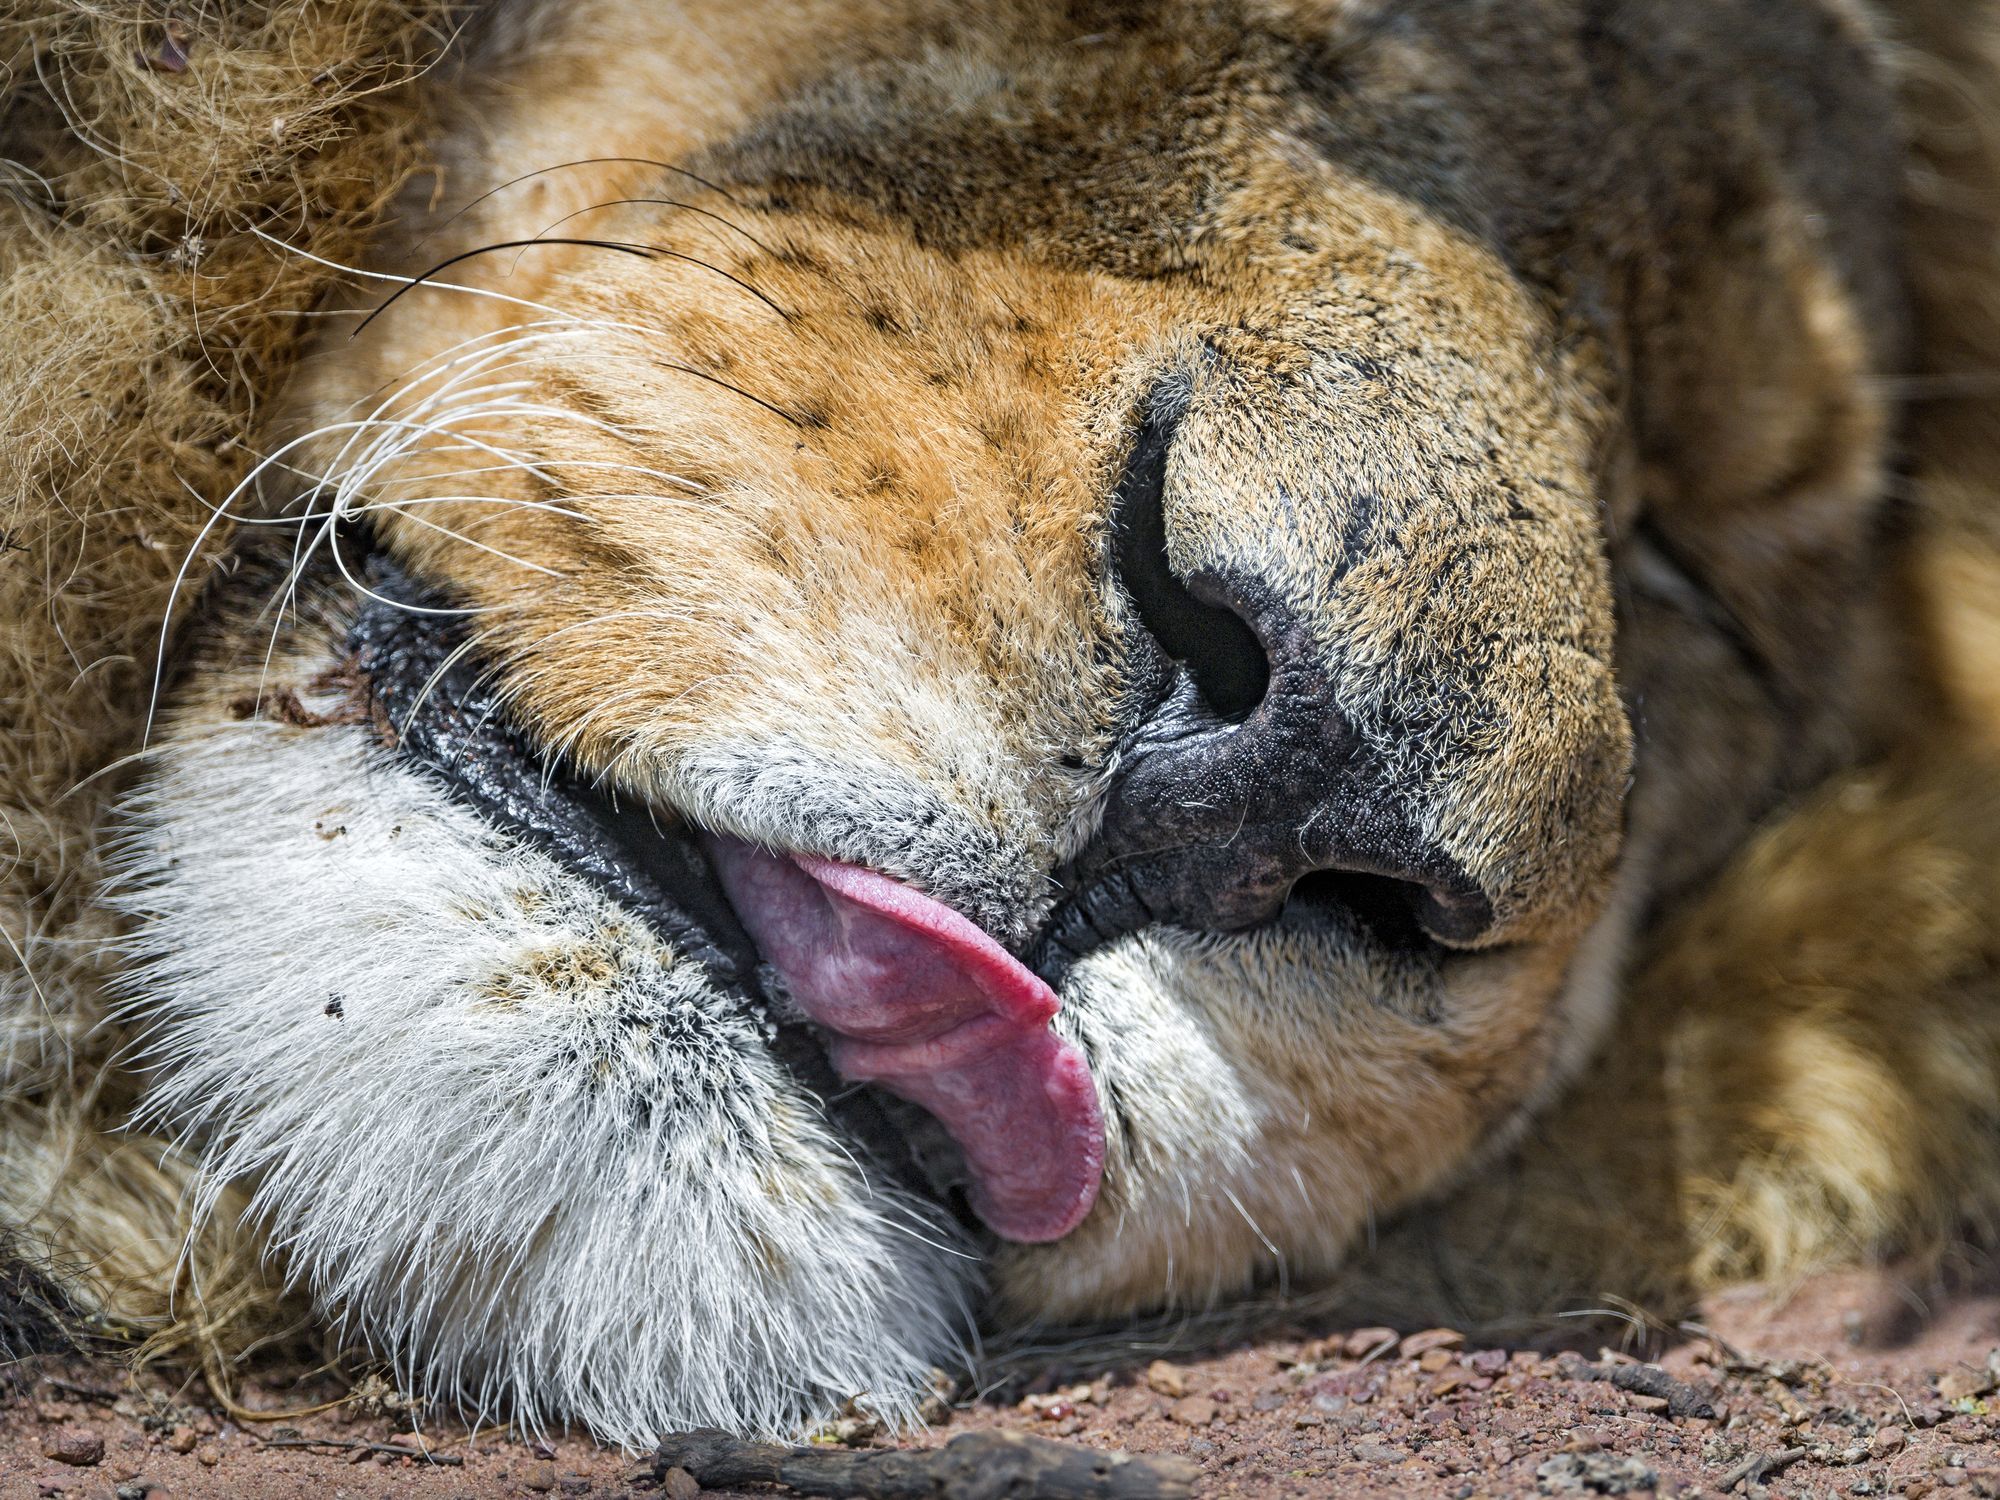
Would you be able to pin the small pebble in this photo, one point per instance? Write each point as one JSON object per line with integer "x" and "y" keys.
{"x": 76, "y": 1448}
{"x": 1886, "y": 1440}
{"x": 1379, "y": 1453}
{"x": 678, "y": 1484}
{"x": 1168, "y": 1380}
{"x": 541, "y": 1478}
{"x": 1193, "y": 1411}
{"x": 208, "y": 1457}
{"x": 1418, "y": 1344}
{"x": 1961, "y": 1385}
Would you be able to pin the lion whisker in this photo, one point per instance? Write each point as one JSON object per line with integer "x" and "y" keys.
{"x": 585, "y": 161}
{"x": 459, "y": 536}
{"x": 692, "y": 208}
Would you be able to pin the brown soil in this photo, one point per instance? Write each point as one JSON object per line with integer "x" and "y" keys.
{"x": 1858, "y": 1384}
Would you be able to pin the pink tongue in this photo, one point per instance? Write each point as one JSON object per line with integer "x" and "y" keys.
{"x": 925, "y": 1004}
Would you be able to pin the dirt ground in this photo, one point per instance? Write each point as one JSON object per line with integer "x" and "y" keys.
{"x": 1852, "y": 1385}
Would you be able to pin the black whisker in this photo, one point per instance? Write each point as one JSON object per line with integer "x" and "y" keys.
{"x": 582, "y": 161}
{"x": 693, "y": 208}
{"x": 776, "y": 411}
{"x": 646, "y": 252}
{"x": 695, "y": 260}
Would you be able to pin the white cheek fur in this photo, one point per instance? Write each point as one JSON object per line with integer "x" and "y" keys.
{"x": 490, "y": 1121}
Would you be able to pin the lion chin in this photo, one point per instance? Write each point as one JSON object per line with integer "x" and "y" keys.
{"x": 893, "y": 678}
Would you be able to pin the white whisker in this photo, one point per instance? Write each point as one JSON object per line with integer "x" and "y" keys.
{"x": 459, "y": 536}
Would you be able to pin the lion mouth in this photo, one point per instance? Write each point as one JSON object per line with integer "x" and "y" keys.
{"x": 918, "y": 1000}
{"x": 899, "y": 991}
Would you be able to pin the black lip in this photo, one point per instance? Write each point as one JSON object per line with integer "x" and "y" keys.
{"x": 1110, "y": 903}
{"x": 441, "y": 708}
{"x": 446, "y": 713}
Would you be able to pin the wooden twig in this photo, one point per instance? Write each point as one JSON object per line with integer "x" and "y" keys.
{"x": 1757, "y": 1465}
{"x": 1683, "y": 1400}
{"x": 92, "y": 1394}
{"x": 985, "y": 1465}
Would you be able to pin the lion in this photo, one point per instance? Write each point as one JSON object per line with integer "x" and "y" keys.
{"x": 828, "y": 676}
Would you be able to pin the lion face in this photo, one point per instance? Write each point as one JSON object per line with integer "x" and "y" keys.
{"x": 1043, "y": 569}
{"x": 1102, "y": 605}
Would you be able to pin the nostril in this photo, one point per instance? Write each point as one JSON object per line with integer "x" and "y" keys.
{"x": 1405, "y": 915}
{"x": 1216, "y": 645}
{"x": 1386, "y": 908}
{"x": 1460, "y": 918}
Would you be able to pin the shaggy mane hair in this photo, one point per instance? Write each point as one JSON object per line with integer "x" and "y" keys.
{"x": 175, "y": 189}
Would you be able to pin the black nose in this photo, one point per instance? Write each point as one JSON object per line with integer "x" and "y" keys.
{"x": 1242, "y": 777}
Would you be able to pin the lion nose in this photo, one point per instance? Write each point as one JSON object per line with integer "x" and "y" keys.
{"x": 1218, "y": 813}
{"x": 1244, "y": 776}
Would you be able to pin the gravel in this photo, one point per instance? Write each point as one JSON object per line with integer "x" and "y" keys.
{"x": 1837, "y": 1389}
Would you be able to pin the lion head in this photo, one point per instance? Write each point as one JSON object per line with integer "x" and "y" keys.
{"x": 931, "y": 653}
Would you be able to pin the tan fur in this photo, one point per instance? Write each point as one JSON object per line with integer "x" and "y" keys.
{"x": 1805, "y": 1066}
{"x": 1803, "y": 1078}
